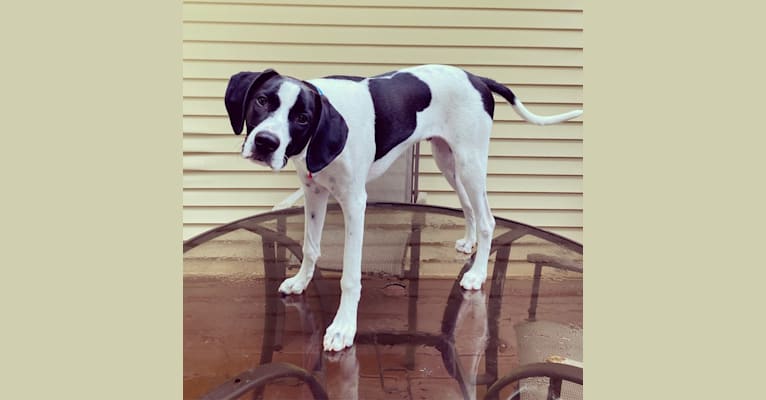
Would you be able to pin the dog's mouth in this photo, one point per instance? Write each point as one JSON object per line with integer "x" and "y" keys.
{"x": 268, "y": 160}
{"x": 259, "y": 158}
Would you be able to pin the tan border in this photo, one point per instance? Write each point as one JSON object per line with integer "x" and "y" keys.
{"x": 91, "y": 297}
{"x": 92, "y": 189}
{"x": 673, "y": 211}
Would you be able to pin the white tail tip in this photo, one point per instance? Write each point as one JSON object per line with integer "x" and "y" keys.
{"x": 544, "y": 120}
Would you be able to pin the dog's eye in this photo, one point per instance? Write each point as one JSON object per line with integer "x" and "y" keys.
{"x": 261, "y": 100}
{"x": 302, "y": 119}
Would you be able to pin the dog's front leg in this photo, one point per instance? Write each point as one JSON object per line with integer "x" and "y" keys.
{"x": 315, "y": 211}
{"x": 341, "y": 332}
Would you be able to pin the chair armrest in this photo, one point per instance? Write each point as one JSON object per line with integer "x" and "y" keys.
{"x": 561, "y": 372}
{"x": 257, "y": 377}
{"x": 556, "y": 262}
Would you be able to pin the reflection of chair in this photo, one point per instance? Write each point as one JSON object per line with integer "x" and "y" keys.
{"x": 257, "y": 378}
{"x": 542, "y": 343}
{"x": 556, "y": 374}
{"x": 278, "y": 243}
{"x": 275, "y": 246}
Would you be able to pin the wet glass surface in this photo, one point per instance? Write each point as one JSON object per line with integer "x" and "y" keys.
{"x": 419, "y": 335}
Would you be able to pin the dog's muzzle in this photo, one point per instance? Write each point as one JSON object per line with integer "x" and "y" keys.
{"x": 265, "y": 143}
{"x": 263, "y": 147}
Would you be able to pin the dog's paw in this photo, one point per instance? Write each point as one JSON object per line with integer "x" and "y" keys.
{"x": 297, "y": 302}
{"x": 473, "y": 280}
{"x": 345, "y": 357}
{"x": 464, "y": 245}
{"x": 340, "y": 334}
{"x": 295, "y": 285}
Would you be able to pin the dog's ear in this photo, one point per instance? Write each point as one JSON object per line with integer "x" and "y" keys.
{"x": 328, "y": 139}
{"x": 240, "y": 86}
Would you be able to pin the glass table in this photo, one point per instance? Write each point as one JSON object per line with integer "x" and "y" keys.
{"x": 419, "y": 335}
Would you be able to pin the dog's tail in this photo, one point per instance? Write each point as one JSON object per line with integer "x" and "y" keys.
{"x": 522, "y": 111}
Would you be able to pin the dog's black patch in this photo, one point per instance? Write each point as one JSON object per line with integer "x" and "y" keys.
{"x": 328, "y": 138}
{"x": 255, "y": 112}
{"x": 238, "y": 93}
{"x": 397, "y": 100}
{"x": 345, "y": 77}
{"x": 485, "y": 92}
{"x": 305, "y": 106}
{"x": 500, "y": 89}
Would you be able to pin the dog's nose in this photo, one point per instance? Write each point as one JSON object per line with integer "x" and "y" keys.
{"x": 265, "y": 142}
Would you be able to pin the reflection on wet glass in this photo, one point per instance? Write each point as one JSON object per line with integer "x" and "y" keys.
{"x": 420, "y": 336}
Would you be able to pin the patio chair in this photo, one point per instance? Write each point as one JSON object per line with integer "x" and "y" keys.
{"x": 550, "y": 353}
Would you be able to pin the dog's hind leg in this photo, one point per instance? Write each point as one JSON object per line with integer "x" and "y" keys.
{"x": 315, "y": 210}
{"x": 446, "y": 162}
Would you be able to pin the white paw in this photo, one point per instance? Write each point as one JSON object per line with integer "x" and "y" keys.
{"x": 346, "y": 357}
{"x": 473, "y": 280}
{"x": 464, "y": 245}
{"x": 340, "y": 334}
{"x": 295, "y": 285}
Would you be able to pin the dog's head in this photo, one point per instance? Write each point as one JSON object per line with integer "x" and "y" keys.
{"x": 283, "y": 115}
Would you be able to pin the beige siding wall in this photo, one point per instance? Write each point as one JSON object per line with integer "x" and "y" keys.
{"x": 535, "y": 47}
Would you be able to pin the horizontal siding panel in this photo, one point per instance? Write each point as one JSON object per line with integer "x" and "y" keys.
{"x": 490, "y": 4}
{"x": 521, "y": 201}
{"x": 574, "y": 233}
{"x": 219, "y": 126}
{"x": 380, "y": 54}
{"x": 519, "y": 166}
{"x": 212, "y": 143}
{"x": 213, "y": 125}
{"x": 498, "y": 147}
{"x": 528, "y": 148}
{"x": 225, "y": 162}
{"x": 383, "y": 35}
{"x": 503, "y": 111}
{"x": 255, "y": 179}
{"x": 525, "y": 130}
{"x": 261, "y": 197}
{"x": 220, "y": 215}
{"x": 212, "y": 90}
{"x": 191, "y": 230}
{"x": 436, "y": 17}
{"x": 435, "y": 182}
{"x": 497, "y": 165}
{"x": 535, "y": 48}
{"x": 260, "y": 179}
{"x": 240, "y": 197}
{"x": 210, "y": 69}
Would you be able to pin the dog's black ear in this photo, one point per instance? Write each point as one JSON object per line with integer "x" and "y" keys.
{"x": 240, "y": 86}
{"x": 328, "y": 139}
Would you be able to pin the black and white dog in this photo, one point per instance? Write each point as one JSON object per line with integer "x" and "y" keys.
{"x": 342, "y": 131}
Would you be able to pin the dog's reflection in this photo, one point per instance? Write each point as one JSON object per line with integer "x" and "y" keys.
{"x": 311, "y": 326}
{"x": 471, "y": 336}
{"x": 467, "y": 329}
{"x": 348, "y": 380}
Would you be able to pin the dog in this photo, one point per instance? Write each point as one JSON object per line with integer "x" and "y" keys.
{"x": 343, "y": 131}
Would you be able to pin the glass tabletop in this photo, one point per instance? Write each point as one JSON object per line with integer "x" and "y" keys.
{"x": 419, "y": 335}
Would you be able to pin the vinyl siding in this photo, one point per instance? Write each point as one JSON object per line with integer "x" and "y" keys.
{"x": 534, "y": 173}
